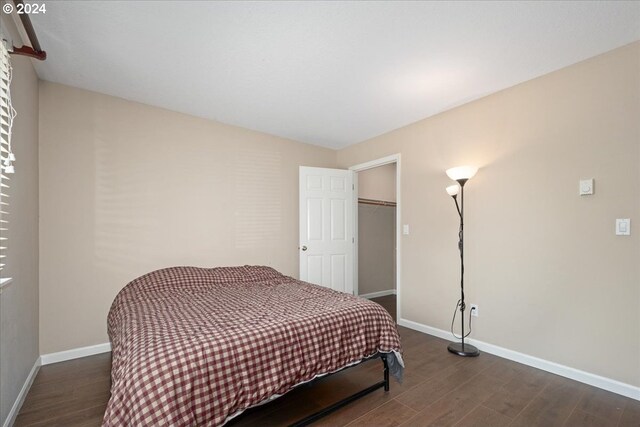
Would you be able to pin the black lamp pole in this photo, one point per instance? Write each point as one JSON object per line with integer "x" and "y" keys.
{"x": 460, "y": 348}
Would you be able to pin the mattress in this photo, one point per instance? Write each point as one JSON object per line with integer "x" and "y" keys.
{"x": 195, "y": 346}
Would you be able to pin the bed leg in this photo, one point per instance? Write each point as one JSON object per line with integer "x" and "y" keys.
{"x": 386, "y": 372}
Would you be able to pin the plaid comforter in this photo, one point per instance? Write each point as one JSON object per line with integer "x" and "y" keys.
{"x": 195, "y": 347}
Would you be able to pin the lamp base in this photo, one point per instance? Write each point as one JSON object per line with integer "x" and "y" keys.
{"x": 465, "y": 350}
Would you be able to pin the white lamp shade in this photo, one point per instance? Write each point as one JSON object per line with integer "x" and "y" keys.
{"x": 462, "y": 172}
{"x": 453, "y": 189}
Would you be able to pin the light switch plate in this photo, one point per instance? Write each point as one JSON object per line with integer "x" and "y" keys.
{"x": 405, "y": 229}
{"x": 623, "y": 226}
{"x": 586, "y": 187}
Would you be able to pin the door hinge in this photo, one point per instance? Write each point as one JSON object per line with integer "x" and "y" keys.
{"x": 353, "y": 240}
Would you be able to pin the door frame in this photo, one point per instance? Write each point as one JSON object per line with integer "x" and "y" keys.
{"x": 394, "y": 158}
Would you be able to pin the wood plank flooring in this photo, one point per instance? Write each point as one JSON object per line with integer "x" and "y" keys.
{"x": 439, "y": 389}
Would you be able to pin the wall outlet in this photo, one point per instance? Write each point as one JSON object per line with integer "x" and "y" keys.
{"x": 475, "y": 310}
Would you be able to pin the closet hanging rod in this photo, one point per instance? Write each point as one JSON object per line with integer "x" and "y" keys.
{"x": 35, "y": 51}
{"x": 376, "y": 202}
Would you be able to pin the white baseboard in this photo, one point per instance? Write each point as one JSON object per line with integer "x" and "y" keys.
{"x": 378, "y": 294}
{"x": 76, "y": 353}
{"x": 426, "y": 329}
{"x": 47, "y": 359}
{"x": 604, "y": 383}
{"x": 15, "y": 409}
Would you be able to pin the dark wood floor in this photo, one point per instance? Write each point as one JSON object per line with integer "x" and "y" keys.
{"x": 439, "y": 389}
{"x": 389, "y": 303}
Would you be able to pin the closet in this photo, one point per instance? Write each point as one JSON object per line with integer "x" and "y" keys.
{"x": 377, "y": 231}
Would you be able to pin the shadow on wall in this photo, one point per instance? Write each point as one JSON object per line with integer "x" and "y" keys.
{"x": 258, "y": 218}
{"x": 143, "y": 204}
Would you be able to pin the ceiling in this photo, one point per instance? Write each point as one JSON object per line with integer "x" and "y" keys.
{"x": 326, "y": 73}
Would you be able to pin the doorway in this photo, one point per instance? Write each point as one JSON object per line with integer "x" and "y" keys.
{"x": 377, "y": 225}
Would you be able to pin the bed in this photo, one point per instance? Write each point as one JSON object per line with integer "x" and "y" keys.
{"x": 196, "y": 347}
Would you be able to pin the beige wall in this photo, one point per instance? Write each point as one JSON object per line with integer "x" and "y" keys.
{"x": 378, "y": 183}
{"x": 127, "y": 188}
{"x": 376, "y": 248}
{"x": 551, "y": 278}
{"x": 19, "y": 300}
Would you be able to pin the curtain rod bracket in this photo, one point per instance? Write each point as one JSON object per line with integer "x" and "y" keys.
{"x": 35, "y": 51}
{"x": 29, "y": 51}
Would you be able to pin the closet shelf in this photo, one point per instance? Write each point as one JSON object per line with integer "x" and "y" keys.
{"x": 376, "y": 202}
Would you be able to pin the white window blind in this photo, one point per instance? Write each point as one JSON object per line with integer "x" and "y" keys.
{"x": 7, "y": 114}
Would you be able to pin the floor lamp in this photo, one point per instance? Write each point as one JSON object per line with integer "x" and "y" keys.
{"x": 461, "y": 174}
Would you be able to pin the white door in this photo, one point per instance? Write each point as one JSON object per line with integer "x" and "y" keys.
{"x": 326, "y": 227}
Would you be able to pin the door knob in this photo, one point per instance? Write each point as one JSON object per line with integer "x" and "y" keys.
{"x": 304, "y": 248}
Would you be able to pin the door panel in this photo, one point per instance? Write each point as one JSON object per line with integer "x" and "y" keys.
{"x": 326, "y": 227}
{"x": 338, "y": 183}
{"x": 314, "y": 269}
{"x": 314, "y": 218}
{"x": 314, "y": 182}
{"x": 338, "y": 220}
{"x": 338, "y": 271}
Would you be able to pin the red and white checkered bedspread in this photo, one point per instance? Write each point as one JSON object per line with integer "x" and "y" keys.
{"x": 194, "y": 346}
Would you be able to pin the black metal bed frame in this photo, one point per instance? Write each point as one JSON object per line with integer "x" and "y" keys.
{"x": 347, "y": 400}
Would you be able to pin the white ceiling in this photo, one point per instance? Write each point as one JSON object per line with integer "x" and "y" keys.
{"x": 327, "y": 73}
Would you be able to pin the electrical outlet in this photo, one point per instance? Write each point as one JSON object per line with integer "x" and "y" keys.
{"x": 475, "y": 310}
